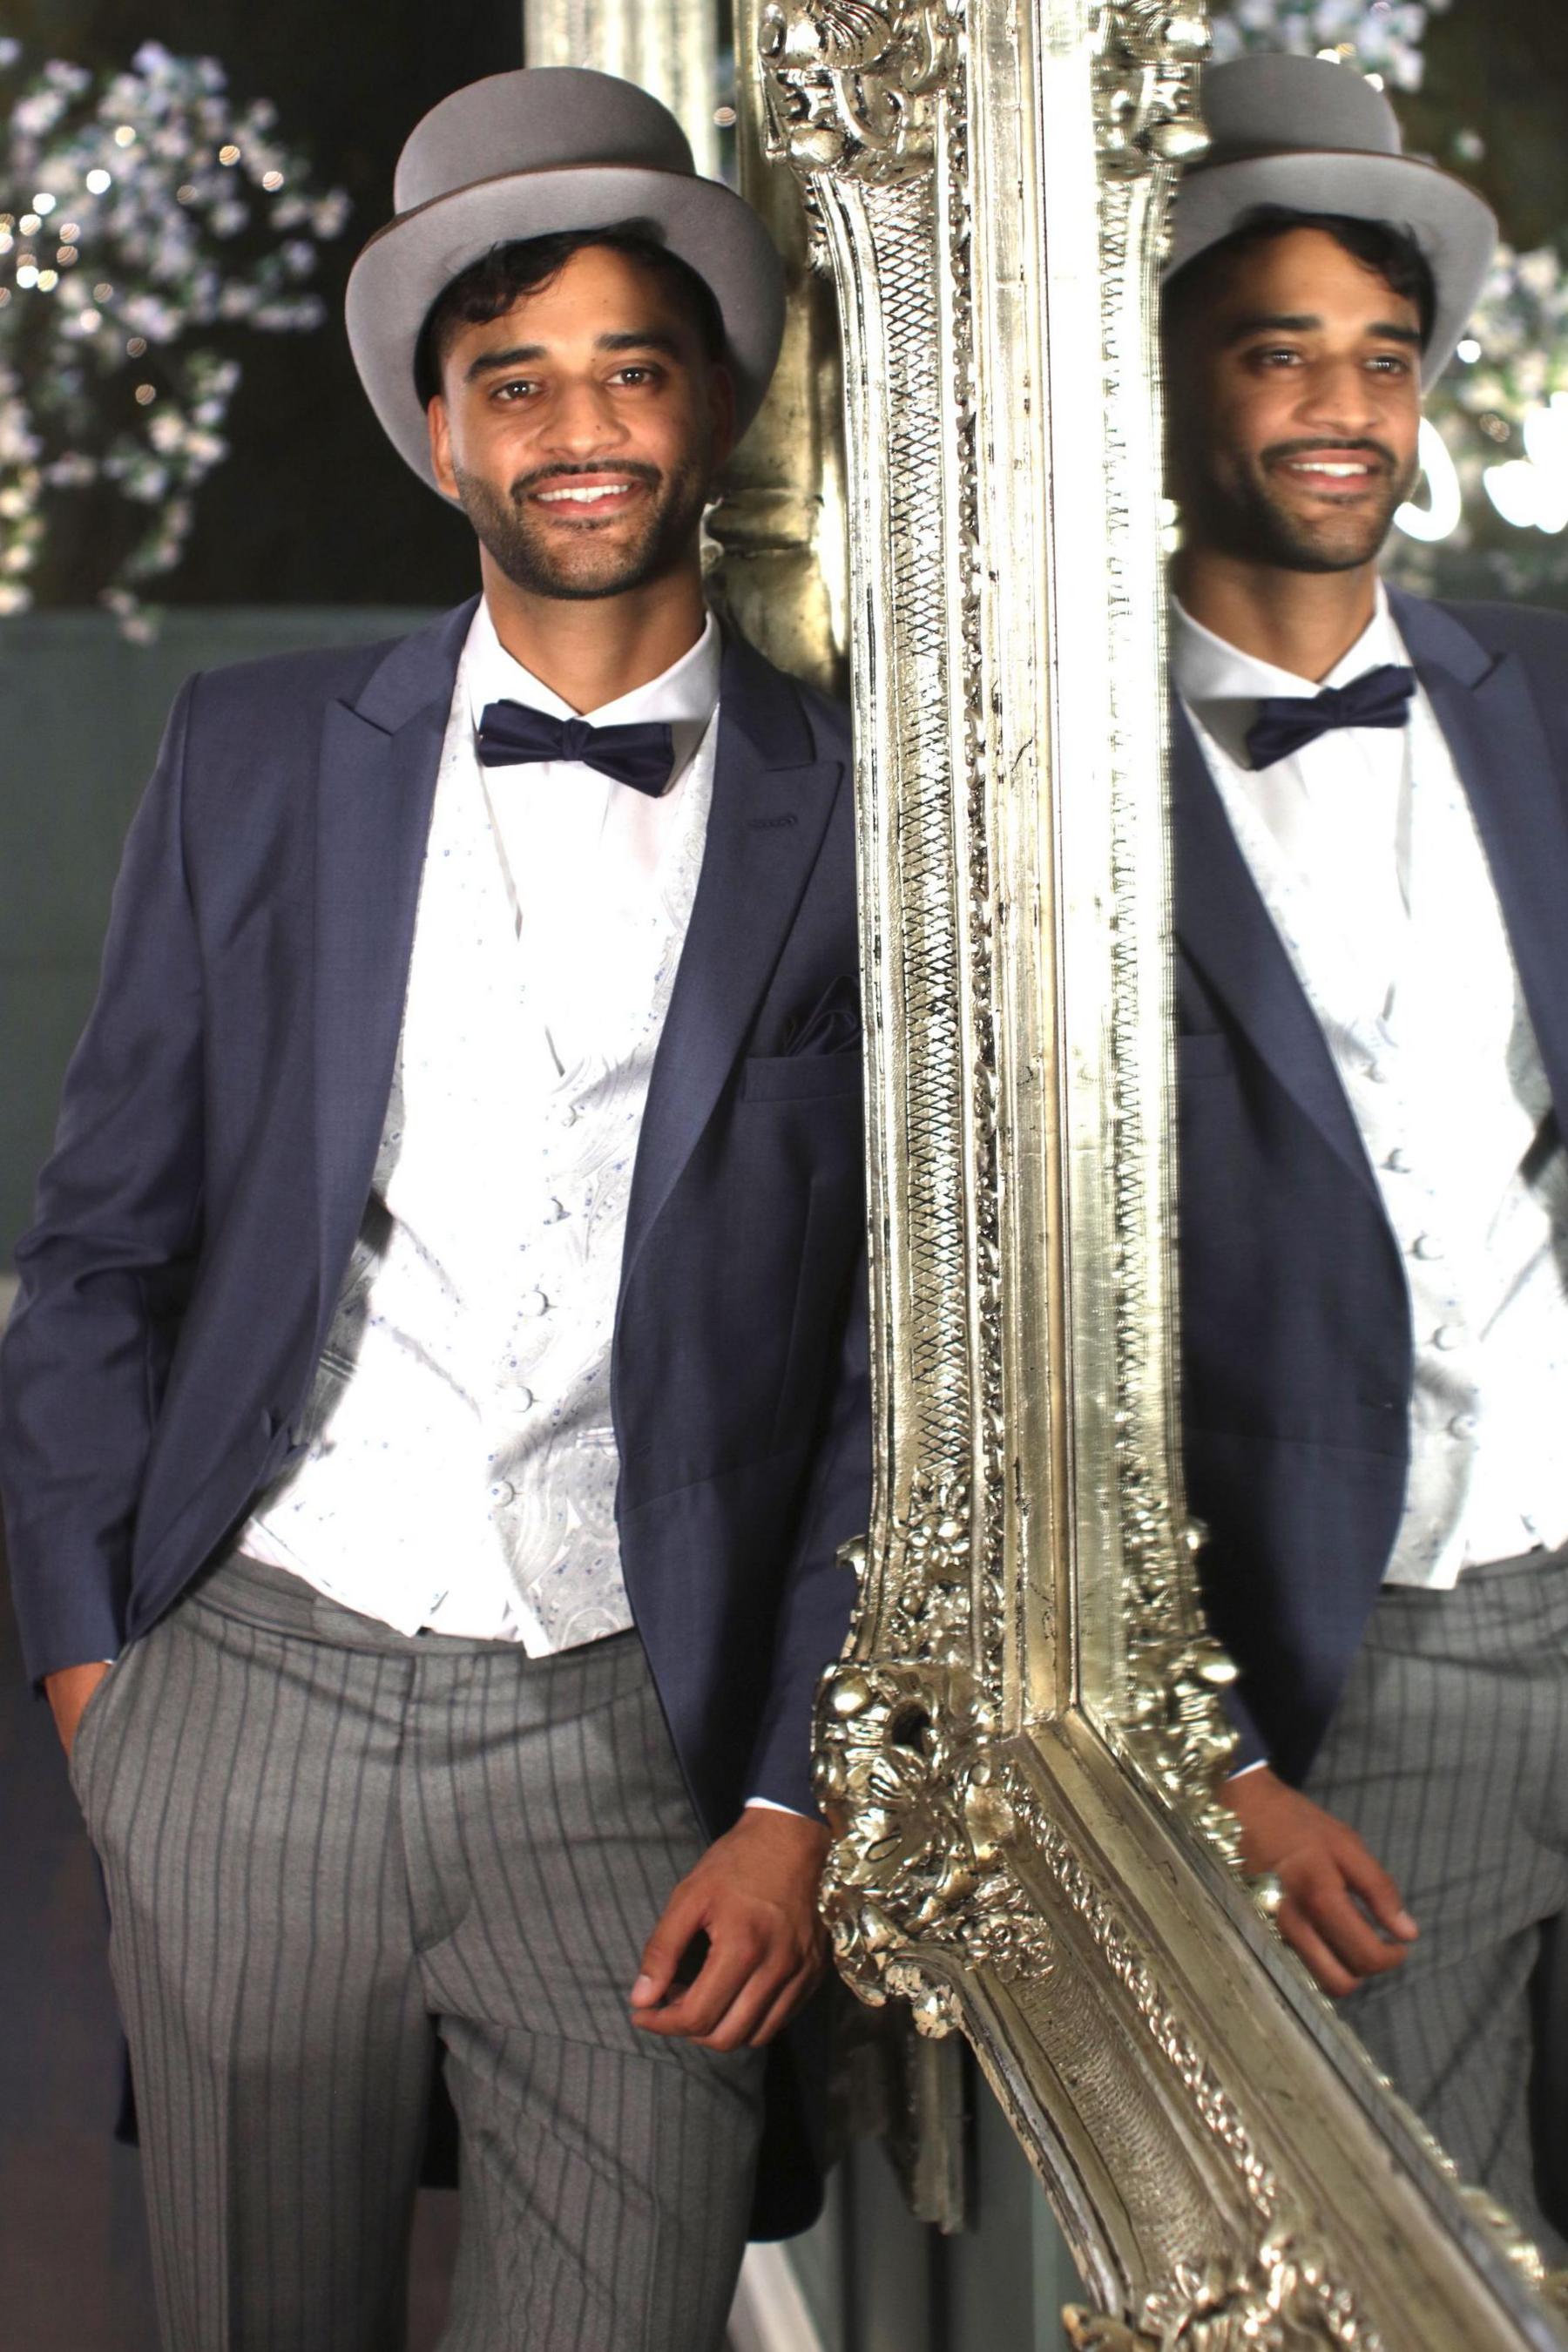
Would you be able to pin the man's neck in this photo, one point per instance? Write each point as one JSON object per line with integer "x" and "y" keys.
{"x": 1304, "y": 622}
{"x": 592, "y": 650}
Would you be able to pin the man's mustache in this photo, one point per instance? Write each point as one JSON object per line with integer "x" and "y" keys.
{"x": 633, "y": 467}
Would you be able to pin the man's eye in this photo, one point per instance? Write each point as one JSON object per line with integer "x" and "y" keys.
{"x": 637, "y": 374}
{"x": 516, "y": 387}
{"x": 1391, "y": 364}
{"x": 1274, "y": 355}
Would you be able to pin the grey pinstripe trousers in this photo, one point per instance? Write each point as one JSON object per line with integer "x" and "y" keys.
{"x": 326, "y": 1844}
{"x": 1449, "y": 1756}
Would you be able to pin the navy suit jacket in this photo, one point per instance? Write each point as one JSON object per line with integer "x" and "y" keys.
{"x": 218, "y": 1137}
{"x": 1296, "y": 1336}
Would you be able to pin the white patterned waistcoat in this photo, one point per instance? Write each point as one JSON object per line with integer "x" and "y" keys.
{"x": 460, "y": 1464}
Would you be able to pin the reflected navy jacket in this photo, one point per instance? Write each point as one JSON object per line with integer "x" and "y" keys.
{"x": 1296, "y": 1340}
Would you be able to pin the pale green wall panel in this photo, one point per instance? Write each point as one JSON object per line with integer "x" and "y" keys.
{"x": 81, "y": 712}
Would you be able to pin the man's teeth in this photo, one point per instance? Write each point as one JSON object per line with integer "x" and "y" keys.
{"x": 584, "y": 498}
{"x": 1339, "y": 473}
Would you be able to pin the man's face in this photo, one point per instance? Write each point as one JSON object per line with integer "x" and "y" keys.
{"x": 1296, "y": 407}
{"x": 583, "y": 430}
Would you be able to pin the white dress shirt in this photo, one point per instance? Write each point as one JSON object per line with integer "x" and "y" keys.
{"x": 460, "y": 1464}
{"x": 1365, "y": 853}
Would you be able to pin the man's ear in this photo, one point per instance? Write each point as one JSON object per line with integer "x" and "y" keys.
{"x": 440, "y": 430}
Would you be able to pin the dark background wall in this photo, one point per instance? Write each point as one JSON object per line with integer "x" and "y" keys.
{"x": 313, "y": 507}
{"x": 1501, "y": 68}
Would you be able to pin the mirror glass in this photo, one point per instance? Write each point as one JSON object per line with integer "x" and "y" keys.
{"x": 1372, "y": 1045}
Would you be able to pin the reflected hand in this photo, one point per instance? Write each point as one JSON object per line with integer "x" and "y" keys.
{"x": 1323, "y": 1868}
{"x": 67, "y": 1693}
{"x": 754, "y": 1897}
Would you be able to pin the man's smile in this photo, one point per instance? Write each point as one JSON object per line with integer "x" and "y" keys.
{"x": 587, "y": 496}
{"x": 1330, "y": 473}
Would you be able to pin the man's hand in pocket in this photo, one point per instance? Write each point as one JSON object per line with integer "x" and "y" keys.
{"x": 68, "y": 1694}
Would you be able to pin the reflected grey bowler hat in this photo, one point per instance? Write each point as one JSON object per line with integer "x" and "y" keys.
{"x": 1316, "y": 136}
{"x": 528, "y": 154}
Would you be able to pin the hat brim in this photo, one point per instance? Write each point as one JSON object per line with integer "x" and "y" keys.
{"x": 1456, "y": 231}
{"x": 407, "y": 265}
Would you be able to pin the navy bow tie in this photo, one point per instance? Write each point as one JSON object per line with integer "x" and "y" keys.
{"x": 1379, "y": 698}
{"x": 641, "y": 755}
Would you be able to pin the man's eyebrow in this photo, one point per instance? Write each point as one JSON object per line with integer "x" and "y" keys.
{"x": 645, "y": 338}
{"x": 1304, "y": 322}
{"x": 516, "y": 355}
{"x": 641, "y": 339}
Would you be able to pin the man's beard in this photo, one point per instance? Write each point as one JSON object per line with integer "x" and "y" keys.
{"x": 1238, "y": 514}
{"x": 590, "y": 563}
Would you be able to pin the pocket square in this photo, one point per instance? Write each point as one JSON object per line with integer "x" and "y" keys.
{"x": 832, "y": 1025}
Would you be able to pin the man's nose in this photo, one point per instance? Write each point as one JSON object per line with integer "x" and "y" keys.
{"x": 1338, "y": 395}
{"x": 582, "y": 418}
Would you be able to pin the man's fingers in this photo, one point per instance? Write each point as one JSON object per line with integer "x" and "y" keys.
{"x": 741, "y": 2021}
{"x": 681, "y": 1919}
{"x": 695, "y": 2010}
{"x": 793, "y": 1996}
{"x": 1355, "y": 1943}
{"x": 1308, "y": 1945}
{"x": 766, "y": 2002}
{"x": 1376, "y": 1889}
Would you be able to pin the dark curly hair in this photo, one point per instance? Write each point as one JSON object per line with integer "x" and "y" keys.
{"x": 489, "y": 286}
{"x": 1390, "y": 251}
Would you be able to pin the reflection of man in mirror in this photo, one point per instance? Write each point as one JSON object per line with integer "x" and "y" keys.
{"x": 1371, "y": 862}
{"x": 437, "y": 1392}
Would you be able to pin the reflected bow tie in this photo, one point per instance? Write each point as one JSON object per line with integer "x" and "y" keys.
{"x": 1379, "y": 698}
{"x": 641, "y": 755}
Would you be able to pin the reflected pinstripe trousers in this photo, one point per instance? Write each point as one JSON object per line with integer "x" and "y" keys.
{"x": 1448, "y": 1755}
{"x": 327, "y": 1843}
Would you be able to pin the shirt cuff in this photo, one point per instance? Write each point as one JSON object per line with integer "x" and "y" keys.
{"x": 767, "y": 1805}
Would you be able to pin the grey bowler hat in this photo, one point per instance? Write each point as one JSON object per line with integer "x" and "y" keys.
{"x": 528, "y": 154}
{"x": 1316, "y": 136}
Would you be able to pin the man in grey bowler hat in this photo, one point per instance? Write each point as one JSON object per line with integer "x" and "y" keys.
{"x": 1371, "y": 829}
{"x": 437, "y": 1397}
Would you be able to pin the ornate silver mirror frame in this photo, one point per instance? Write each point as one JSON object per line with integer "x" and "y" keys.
{"x": 1019, "y": 1748}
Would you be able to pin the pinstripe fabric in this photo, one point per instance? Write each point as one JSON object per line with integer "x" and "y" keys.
{"x": 1449, "y": 1756}
{"x": 325, "y": 1843}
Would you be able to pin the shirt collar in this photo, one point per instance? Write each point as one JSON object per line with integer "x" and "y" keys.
{"x": 685, "y": 695}
{"x": 1207, "y": 670}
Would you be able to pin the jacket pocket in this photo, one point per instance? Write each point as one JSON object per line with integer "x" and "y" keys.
{"x": 800, "y": 1077}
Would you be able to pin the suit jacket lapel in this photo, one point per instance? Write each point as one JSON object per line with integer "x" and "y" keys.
{"x": 1512, "y": 780}
{"x": 1224, "y": 926}
{"x": 770, "y": 808}
{"x": 379, "y": 762}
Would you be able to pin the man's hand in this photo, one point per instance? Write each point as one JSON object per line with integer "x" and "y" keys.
{"x": 754, "y": 1897}
{"x": 68, "y": 1694}
{"x": 1323, "y": 1868}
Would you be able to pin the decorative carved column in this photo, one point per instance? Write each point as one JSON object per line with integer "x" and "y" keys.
{"x": 667, "y": 47}
{"x": 780, "y": 523}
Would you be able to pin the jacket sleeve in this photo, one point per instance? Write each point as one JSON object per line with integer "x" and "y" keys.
{"x": 105, "y": 1270}
{"x": 819, "y": 1593}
